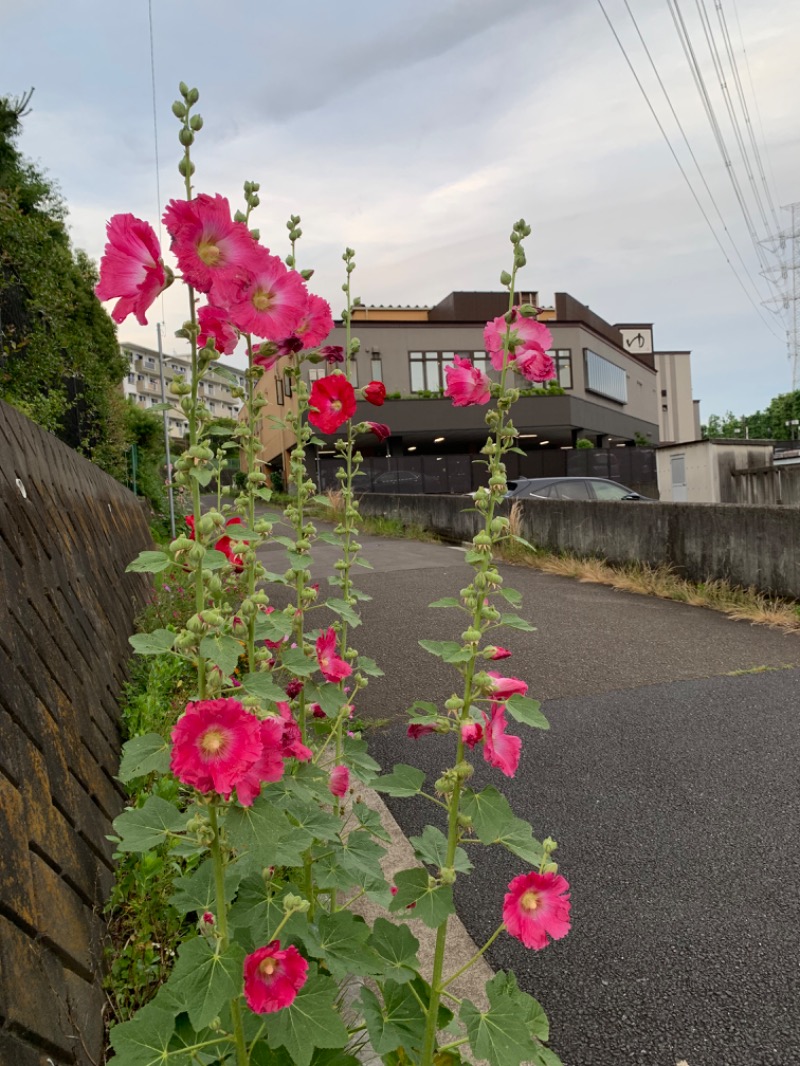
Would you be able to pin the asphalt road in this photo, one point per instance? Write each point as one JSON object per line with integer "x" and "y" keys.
{"x": 669, "y": 778}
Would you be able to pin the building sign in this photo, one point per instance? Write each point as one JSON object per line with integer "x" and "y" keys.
{"x": 637, "y": 340}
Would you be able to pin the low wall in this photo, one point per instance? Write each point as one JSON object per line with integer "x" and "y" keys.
{"x": 67, "y": 531}
{"x": 767, "y": 485}
{"x": 748, "y": 546}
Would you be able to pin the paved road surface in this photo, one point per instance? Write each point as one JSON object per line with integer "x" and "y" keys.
{"x": 670, "y": 780}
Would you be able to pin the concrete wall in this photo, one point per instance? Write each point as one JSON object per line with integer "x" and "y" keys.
{"x": 67, "y": 531}
{"x": 744, "y": 545}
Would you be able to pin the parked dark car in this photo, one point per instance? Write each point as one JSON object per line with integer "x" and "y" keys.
{"x": 571, "y": 488}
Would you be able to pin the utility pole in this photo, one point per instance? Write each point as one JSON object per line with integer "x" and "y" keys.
{"x": 786, "y": 246}
{"x": 165, "y": 415}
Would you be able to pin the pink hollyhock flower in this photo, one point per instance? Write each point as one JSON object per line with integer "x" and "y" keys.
{"x": 535, "y": 365}
{"x": 131, "y": 268}
{"x": 525, "y": 334}
{"x": 273, "y": 977}
{"x": 471, "y": 733}
{"x": 381, "y": 431}
{"x": 266, "y": 299}
{"x": 317, "y": 711}
{"x": 215, "y": 325}
{"x": 266, "y": 356}
{"x": 290, "y": 345}
{"x": 374, "y": 393}
{"x": 333, "y": 401}
{"x": 466, "y": 385}
{"x": 339, "y": 781}
{"x": 207, "y": 243}
{"x": 316, "y": 323}
{"x": 215, "y": 744}
{"x": 503, "y": 687}
{"x": 536, "y": 907}
{"x": 332, "y": 353}
{"x": 417, "y": 730}
{"x": 292, "y": 746}
{"x": 500, "y": 749}
{"x": 267, "y": 767}
{"x": 294, "y": 688}
{"x": 333, "y": 668}
{"x": 499, "y": 653}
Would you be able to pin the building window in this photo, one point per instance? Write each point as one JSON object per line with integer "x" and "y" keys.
{"x": 605, "y": 378}
{"x": 663, "y": 392}
{"x": 316, "y": 373}
{"x": 427, "y": 370}
{"x": 376, "y": 367}
{"x": 131, "y": 378}
{"x": 150, "y": 362}
{"x": 562, "y": 357}
{"x": 287, "y": 385}
{"x": 279, "y": 392}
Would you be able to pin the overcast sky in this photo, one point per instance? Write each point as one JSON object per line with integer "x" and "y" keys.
{"x": 418, "y": 132}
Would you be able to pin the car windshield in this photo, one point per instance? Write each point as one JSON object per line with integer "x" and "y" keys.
{"x": 606, "y": 490}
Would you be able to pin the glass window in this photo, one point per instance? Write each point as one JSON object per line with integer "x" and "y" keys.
{"x": 562, "y": 357}
{"x": 317, "y": 372}
{"x": 417, "y": 372}
{"x": 606, "y": 490}
{"x": 571, "y": 490}
{"x": 131, "y": 378}
{"x": 376, "y": 368}
{"x": 287, "y": 385}
{"x": 279, "y": 391}
{"x": 605, "y": 378}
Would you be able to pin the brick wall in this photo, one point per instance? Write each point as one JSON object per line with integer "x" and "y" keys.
{"x": 67, "y": 531}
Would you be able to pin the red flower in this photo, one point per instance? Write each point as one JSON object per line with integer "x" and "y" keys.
{"x": 333, "y": 668}
{"x": 503, "y": 687}
{"x": 215, "y": 325}
{"x": 317, "y": 711}
{"x": 267, "y": 767}
{"x": 207, "y": 243}
{"x": 333, "y": 401}
{"x": 215, "y": 744}
{"x": 471, "y": 733}
{"x": 537, "y": 906}
{"x": 131, "y": 268}
{"x": 339, "y": 781}
{"x": 333, "y": 353}
{"x": 381, "y": 431}
{"x": 272, "y": 978}
{"x": 417, "y": 730}
{"x": 500, "y": 749}
{"x": 375, "y": 393}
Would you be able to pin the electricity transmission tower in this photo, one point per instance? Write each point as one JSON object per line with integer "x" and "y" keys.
{"x": 786, "y": 277}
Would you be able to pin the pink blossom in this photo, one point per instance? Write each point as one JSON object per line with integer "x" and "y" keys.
{"x": 525, "y": 334}
{"x": 537, "y": 906}
{"x": 471, "y": 733}
{"x": 208, "y": 918}
{"x": 317, "y": 711}
{"x": 535, "y": 365}
{"x": 339, "y": 781}
{"x": 316, "y": 323}
{"x": 131, "y": 268}
{"x": 215, "y": 744}
{"x": 294, "y": 688}
{"x": 466, "y": 384}
{"x": 266, "y": 356}
{"x": 333, "y": 353}
{"x": 374, "y": 393}
{"x": 497, "y": 652}
{"x": 417, "y": 730}
{"x": 333, "y": 668}
{"x": 381, "y": 430}
{"x": 292, "y": 746}
{"x": 209, "y": 246}
{"x": 267, "y": 767}
{"x": 500, "y": 749}
{"x": 266, "y": 298}
{"x": 215, "y": 325}
{"x": 503, "y": 687}
{"x": 332, "y": 402}
{"x": 273, "y": 977}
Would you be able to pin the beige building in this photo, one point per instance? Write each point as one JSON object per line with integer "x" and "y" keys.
{"x": 678, "y": 411}
{"x": 142, "y": 385}
{"x": 699, "y": 471}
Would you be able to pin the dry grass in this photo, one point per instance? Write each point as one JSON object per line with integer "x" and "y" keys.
{"x": 335, "y": 503}
{"x": 744, "y": 604}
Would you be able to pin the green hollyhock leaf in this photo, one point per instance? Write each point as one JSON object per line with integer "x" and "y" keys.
{"x": 511, "y": 596}
{"x": 371, "y": 821}
{"x": 310, "y": 1022}
{"x": 525, "y": 710}
{"x": 205, "y": 978}
{"x": 404, "y": 780}
{"x": 431, "y": 847}
{"x": 149, "y": 562}
{"x": 197, "y": 891}
{"x": 397, "y": 947}
{"x": 185, "y": 1037}
{"x": 448, "y": 601}
{"x": 144, "y": 828}
{"x": 505, "y": 986}
{"x": 499, "y": 1035}
{"x": 223, "y": 651}
{"x": 399, "y": 1022}
{"x": 214, "y": 560}
{"x": 296, "y": 662}
{"x": 448, "y": 650}
{"x": 359, "y": 853}
{"x": 144, "y": 1040}
{"x": 490, "y": 812}
{"x": 158, "y": 642}
{"x": 368, "y": 666}
{"x": 329, "y": 873}
{"x": 515, "y": 622}
{"x": 331, "y": 538}
{"x": 144, "y": 755}
{"x": 433, "y": 902}
{"x": 260, "y": 909}
{"x": 310, "y": 820}
{"x": 359, "y": 561}
{"x": 273, "y": 626}
{"x": 262, "y": 685}
{"x": 264, "y": 833}
{"x": 519, "y": 839}
{"x": 329, "y": 696}
{"x": 345, "y": 611}
{"x": 363, "y": 765}
{"x": 340, "y": 940}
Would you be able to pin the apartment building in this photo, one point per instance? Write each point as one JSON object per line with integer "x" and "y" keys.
{"x": 142, "y": 384}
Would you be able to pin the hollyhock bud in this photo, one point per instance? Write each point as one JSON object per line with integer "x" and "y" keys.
{"x": 339, "y": 781}
{"x": 374, "y": 393}
{"x": 471, "y": 733}
{"x": 294, "y": 688}
{"x": 495, "y": 652}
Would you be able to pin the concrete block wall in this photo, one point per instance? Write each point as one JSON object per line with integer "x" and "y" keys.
{"x": 67, "y": 531}
{"x": 748, "y": 546}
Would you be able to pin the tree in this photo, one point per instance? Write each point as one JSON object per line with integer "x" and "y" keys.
{"x": 59, "y": 358}
{"x": 769, "y": 424}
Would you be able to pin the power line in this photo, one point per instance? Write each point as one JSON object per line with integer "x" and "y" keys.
{"x": 681, "y": 168}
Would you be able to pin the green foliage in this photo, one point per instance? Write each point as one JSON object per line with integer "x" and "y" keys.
{"x": 584, "y": 443}
{"x": 769, "y": 424}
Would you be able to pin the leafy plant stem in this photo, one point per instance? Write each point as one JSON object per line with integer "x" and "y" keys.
{"x": 242, "y": 1058}
{"x": 476, "y": 956}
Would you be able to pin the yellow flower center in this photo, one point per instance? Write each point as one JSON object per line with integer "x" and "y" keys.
{"x": 209, "y": 252}
{"x": 336, "y": 405}
{"x": 262, "y": 301}
{"x": 529, "y": 901}
{"x": 267, "y": 967}
{"x": 212, "y": 742}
